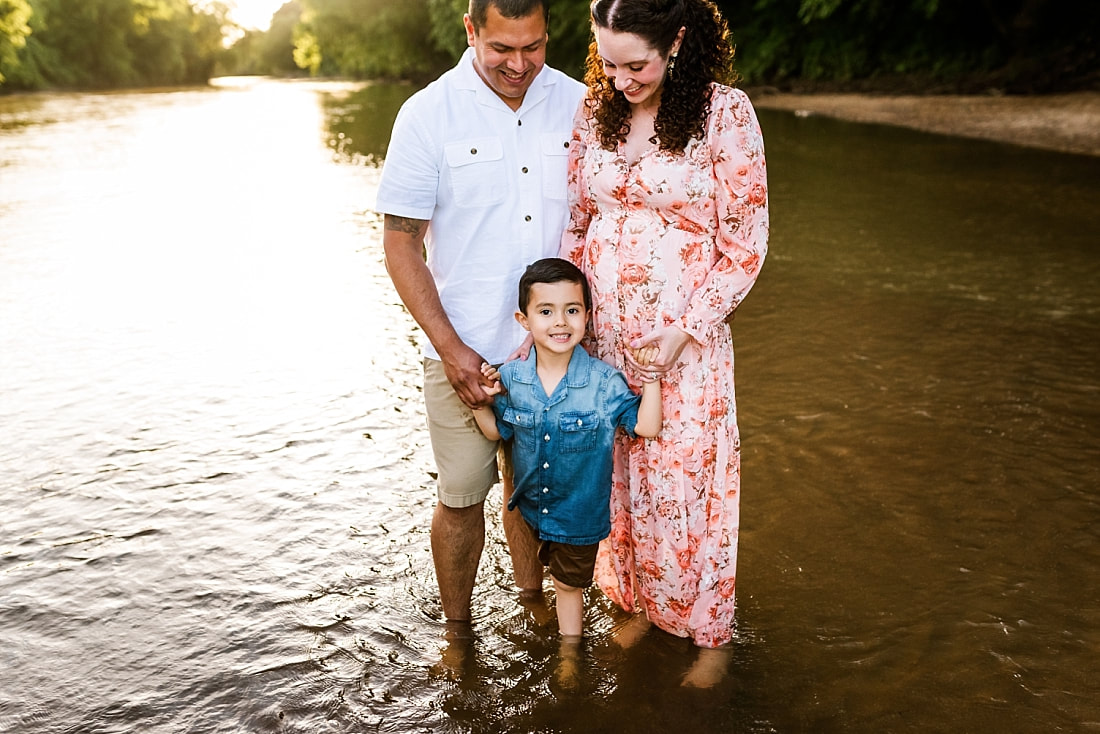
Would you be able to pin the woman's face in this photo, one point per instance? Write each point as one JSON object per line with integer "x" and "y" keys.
{"x": 633, "y": 66}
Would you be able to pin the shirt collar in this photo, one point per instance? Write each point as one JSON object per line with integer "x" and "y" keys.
{"x": 578, "y": 374}
{"x": 468, "y": 78}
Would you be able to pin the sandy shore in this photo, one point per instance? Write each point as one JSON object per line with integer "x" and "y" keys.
{"x": 1064, "y": 122}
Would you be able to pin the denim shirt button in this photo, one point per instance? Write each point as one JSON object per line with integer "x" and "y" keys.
{"x": 546, "y": 437}
{"x": 546, "y": 466}
{"x": 545, "y": 511}
{"x": 545, "y": 490}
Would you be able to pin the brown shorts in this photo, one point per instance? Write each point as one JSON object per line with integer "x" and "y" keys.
{"x": 466, "y": 461}
{"x": 570, "y": 564}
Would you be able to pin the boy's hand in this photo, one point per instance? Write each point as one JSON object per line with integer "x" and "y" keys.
{"x": 492, "y": 374}
{"x": 645, "y": 355}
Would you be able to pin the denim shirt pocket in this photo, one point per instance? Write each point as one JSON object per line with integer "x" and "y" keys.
{"x": 523, "y": 423}
{"x": 579, "y": 430}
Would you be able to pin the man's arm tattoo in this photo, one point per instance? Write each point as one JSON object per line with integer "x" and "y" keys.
{"x": 405, "y": 225}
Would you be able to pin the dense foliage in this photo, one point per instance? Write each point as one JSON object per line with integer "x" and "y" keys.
{"x": 107, "y": 43}
{"x": 961, "y": 45}
{"x": 964, "y": 45}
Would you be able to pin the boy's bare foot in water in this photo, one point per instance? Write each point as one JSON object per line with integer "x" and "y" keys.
{"x": 567, "y": 676}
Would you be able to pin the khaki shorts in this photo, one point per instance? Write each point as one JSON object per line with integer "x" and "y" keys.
{"x": 466, "y": 461}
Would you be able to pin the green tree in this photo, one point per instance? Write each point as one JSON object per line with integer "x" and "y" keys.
{"x": 276, "y": 53}
{"x": 966, "y": 45}
{"x": 113, "y": 43}
{"x": 366, "y": 38}
{"x": 14, "y": 29}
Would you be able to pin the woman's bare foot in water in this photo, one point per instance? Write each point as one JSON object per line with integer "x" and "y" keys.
{"x": 634, "y": 629}
{"x": 709, "y": 668}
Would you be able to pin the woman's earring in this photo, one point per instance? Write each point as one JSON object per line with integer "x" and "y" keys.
{"x": 671, "y": 64}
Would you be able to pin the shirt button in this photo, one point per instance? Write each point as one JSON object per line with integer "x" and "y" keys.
{"x": 524, "y": 169}
{"x": 566, "y": 143}
{"x": 546, "y": 512}
{"x": 546, "y": 437}
{"x": 519, "y": 123}
{"x": 545, "y": 490}
{"x": 545, "y": 466}
{"x": 580, "y": 422}
{"x": 527, "y": 218}
{"x": 473, "y": 151}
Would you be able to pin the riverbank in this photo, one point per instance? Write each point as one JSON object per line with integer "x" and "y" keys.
{"x": 1069, "y": 123}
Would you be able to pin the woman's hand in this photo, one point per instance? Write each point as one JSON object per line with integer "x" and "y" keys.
{"x": 669, "y": 343}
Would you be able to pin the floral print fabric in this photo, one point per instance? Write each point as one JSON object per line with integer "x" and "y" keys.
{"x": 674, "y": 239}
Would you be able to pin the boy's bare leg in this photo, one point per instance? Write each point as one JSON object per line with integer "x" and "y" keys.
{"x": 458, "y": 537}
{"x": 709, "y": 668}
{"x": 523, "y": 546}
{"x": 568, "y": 672}
{"x": 570, "y": 605}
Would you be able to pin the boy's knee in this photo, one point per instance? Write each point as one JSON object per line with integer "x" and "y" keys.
{"x": 563, "y": 588}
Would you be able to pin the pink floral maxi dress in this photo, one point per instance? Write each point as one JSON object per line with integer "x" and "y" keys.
{"x": 674, "y": 239}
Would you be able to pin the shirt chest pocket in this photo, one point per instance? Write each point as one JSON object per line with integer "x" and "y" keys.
{"x": 523, "y": 424}
{"x": 476, "y": 171}
{"x": 554, "y": 148}
{"x": 579, "y": 431}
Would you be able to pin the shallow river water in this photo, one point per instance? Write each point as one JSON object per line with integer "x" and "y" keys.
{"x": 216, "y": 484}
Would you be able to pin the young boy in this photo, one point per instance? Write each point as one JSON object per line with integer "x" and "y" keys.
{"x": 561, "y": 409}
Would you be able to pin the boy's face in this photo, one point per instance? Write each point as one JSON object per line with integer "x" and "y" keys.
{"x": 556, "y": 316}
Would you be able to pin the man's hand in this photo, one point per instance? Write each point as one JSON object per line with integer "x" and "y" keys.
{"x": 463, "y": 369}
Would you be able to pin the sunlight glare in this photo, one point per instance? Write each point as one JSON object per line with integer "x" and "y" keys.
{"x": 254, "y": 14}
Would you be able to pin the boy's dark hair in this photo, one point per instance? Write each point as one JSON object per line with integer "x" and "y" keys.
{"x": 552, "y": 270}
{"x": 479, "y": 10}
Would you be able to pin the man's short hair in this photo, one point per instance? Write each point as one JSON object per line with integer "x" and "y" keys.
{"x": 479, "y": 10}
{"x": 552, "y": 270}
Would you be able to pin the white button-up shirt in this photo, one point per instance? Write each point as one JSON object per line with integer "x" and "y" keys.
{"x": 492, "y": 182}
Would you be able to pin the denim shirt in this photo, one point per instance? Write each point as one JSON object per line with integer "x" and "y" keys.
{"x": 562, "y": 444}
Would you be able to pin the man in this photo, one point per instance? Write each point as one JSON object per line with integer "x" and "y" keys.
{"x": 475, "y": 176}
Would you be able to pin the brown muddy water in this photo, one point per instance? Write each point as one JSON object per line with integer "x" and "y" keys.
{"x": 216, "y": 484}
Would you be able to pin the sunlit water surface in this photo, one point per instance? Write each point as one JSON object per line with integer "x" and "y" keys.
{"x": 216, "y": 483}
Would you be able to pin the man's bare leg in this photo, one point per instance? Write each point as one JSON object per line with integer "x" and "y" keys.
{"x": 458, "y": 537}
{"x": 523, "y": 547}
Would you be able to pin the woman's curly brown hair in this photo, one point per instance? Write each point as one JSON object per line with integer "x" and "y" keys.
{"x": 705, "y": 56}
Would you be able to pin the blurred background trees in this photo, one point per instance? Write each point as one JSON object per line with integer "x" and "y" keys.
{"x": 108, "y": 43}
{"x": 888, "y": 45}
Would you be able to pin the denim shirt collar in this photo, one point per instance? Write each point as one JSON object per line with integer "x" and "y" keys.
{"x": 578, "y": 374}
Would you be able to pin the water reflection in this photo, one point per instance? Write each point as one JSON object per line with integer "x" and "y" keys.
{"x": 358, "y": 121}
{"x": 217, "y": 485}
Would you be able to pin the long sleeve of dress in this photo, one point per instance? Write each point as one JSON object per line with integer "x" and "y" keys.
{"x": 580, "y": 213}
{"x": 741, "y": 193}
